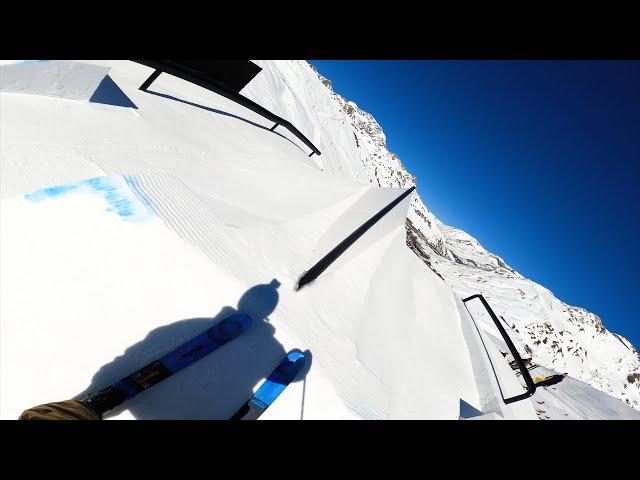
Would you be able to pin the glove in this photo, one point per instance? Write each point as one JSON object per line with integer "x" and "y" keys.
{"x": 66, "y": 410}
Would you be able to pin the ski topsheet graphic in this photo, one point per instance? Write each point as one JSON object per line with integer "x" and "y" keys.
{"x": 174, "y": 361}
{"x": 272, "y": 387}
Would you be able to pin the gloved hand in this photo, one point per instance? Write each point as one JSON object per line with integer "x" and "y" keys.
{"x": 66, "y": 410}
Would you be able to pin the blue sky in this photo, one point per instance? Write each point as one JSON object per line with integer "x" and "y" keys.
{"x": 538, "y": 160}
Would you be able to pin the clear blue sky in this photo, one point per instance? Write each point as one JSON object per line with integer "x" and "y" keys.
{"x": 539, "y": 160}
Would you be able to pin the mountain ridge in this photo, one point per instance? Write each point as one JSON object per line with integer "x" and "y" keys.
{"x": 555, "y": 334}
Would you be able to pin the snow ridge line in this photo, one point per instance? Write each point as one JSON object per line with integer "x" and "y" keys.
{"x": 181, "y": 211}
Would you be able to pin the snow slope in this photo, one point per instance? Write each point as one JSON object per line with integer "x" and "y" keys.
{"x": 557, "y": 335}
{"x": 125, "y": 231}
{"x": 165, "y": 217}
{"x": 572, "y": 399}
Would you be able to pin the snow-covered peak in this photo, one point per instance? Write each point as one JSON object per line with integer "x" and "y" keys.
{"x": 559, "y": 336}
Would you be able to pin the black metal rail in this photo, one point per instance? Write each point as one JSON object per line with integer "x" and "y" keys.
{"x": 531, "y": 386}
{"x": 206, "y": 81}
{"x": 313, "y": 273}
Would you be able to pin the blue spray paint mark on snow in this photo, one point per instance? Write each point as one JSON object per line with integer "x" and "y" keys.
{"x": 134, "y": 184}
{"x": 114, "y": 190}
{"x": 21, "y": 62}
{"x": 56, "y": 191}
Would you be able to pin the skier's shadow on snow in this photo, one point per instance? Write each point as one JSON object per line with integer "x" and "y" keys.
{"x": 214, "y": 387}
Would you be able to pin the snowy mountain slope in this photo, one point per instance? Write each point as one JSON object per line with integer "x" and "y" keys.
{"x": 562, "y": 337}
{"x": 125, "y": 231}
{"x": 572, "y": 399}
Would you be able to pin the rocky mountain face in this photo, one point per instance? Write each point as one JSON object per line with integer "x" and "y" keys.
{"x": 555, "y": 335}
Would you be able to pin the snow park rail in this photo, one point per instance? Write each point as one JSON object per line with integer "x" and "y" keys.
{"x": 183, "y": 70}
{"x": 531, "y": 386}
{"x": 313, "y": 273}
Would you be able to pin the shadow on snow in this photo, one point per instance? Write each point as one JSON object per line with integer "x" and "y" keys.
{"x": 213, "y": 387}
{"x": 109, "y": 93}
{"x": 220, "y": 112}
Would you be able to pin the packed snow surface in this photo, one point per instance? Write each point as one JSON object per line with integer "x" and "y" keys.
{"x": 572, "y": 399}
{"x": 126, "y": 231}
{"x": 65, "y": 79}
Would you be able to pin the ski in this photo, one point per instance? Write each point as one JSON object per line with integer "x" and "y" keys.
{"x": 181, "y": 357}
{"x": 272, "y": 387}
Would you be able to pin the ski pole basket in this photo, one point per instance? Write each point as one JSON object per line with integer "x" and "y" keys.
{"x": 524, "y": 372}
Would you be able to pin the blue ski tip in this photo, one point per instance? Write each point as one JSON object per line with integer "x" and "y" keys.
{"x": 295, "y": 355}
{"x": 275, "y": 383}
